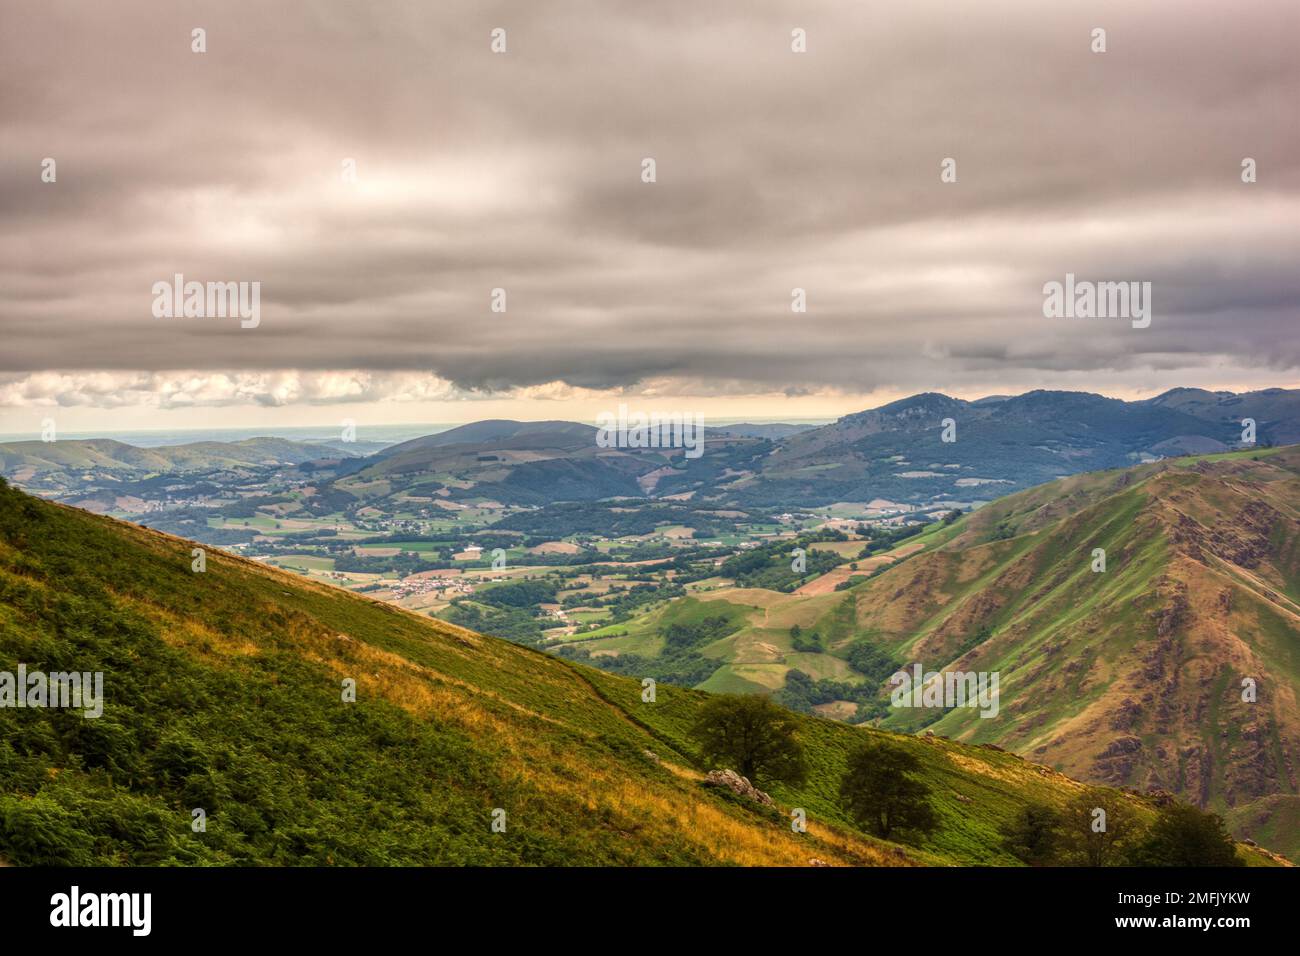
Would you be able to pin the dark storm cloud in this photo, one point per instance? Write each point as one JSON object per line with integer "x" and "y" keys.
{"x": 775, "y": 171}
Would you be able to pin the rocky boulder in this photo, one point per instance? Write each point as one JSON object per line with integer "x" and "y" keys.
{"x": 738, "y": 785}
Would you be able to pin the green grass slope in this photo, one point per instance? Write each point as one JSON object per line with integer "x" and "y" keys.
{"x": 223, "y": 692}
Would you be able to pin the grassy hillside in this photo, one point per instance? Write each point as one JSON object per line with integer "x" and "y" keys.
{"x": 223, "y": 691}
{"x": 1131, "y": 676}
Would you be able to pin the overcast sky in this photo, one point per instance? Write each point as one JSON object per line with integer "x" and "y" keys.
{"x": 523, "y": 171}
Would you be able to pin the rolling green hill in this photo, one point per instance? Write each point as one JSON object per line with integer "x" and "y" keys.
{"x": 222, "y": 691}
{"x": 1132, "y": 676}
{"x": 62, "y": 460}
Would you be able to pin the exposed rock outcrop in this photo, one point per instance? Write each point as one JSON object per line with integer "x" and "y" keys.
{"x": 738, "y": 785}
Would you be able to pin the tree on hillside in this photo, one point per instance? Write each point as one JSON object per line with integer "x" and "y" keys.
{"x": 871, "y": 661}
{"x": 1093, "y": 838}
{"x": 1033, "y": 836}
{"x": 751, "y": 735}
{"x": 881, "y": 792}
{"x": 1186, "y": 836}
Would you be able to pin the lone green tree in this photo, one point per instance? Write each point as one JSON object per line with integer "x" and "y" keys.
{"x": 881, "y": 792}
{"x": 1186, "y": 836}
{"x": 1033, "y": 835}
{"x": 1097, "y": 828}
{"x": 751, "y": 735}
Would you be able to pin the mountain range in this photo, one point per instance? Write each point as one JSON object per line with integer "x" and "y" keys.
{"x": 928, "y": 451}
{"x": 899, "y": 452}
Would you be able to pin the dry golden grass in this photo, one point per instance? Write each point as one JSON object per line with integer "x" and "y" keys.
{"x": 659, "y": 807}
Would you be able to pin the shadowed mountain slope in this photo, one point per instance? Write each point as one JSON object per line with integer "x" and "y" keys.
{"x": 1135, "y": 675}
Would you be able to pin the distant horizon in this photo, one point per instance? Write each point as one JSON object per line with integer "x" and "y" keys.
{"x": 392, "y": 430}
{"x": 365, "y": 432}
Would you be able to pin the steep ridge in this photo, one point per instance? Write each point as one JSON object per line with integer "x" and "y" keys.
{"x": 1132, "y": 676}
{"x": 222, "y": 692}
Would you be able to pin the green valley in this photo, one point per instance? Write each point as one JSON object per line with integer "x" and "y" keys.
{"x": 226, "y": 690}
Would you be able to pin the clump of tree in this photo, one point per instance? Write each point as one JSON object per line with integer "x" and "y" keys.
{"x": 685, "y": 668}
{"x": 753, "y": 736}
{"x": 801, "y": 693}
{"x": 1034, "y": 835}
{"x": 882, "y": 792}
{"x": 521, "y": 594}
{"x": 769, "y": 565}
{"x": 884, "y": 539}
{"x": 679, "y": 636}
{"x": 870, "y": 661}
{"x": 1186, "y": 836}
{"x": 1100, "y": 828}
{"x": 810, "y": 644}
{"x": 515, "y": 624}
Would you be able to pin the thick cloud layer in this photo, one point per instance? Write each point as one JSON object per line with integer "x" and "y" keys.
{"x": 522, "y": 171}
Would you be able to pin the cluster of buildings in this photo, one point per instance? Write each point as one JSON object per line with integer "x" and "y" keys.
{"x": 437, "y": 587}
{"x": 394, "y": 525}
